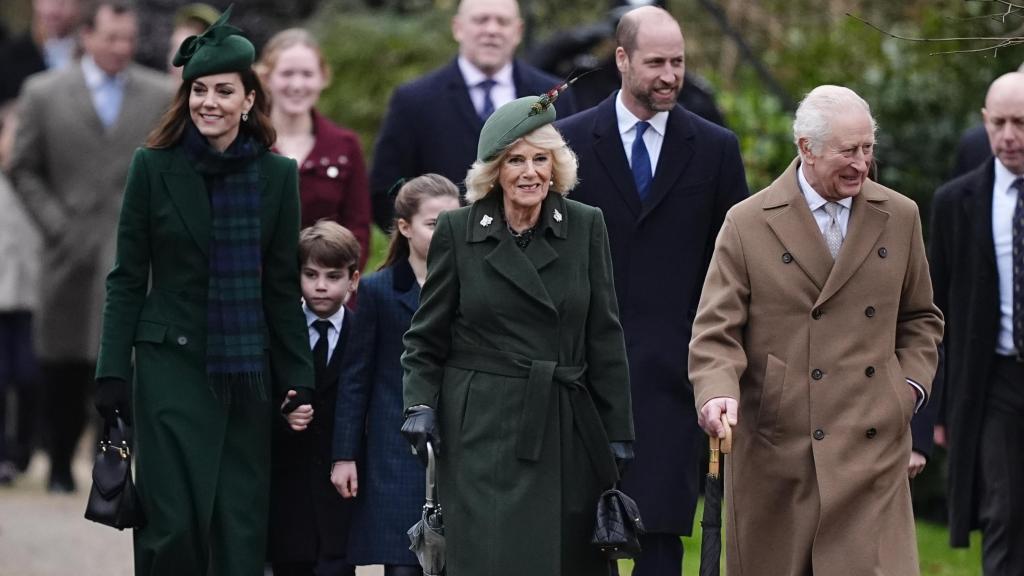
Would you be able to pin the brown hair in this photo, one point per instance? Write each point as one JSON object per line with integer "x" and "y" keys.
{"x": 93, "y": 8}
{"x": 172, "y": 124}
{"x": 329, "y": 244}
{"x": 407, "y": 204}
{"x": 284, "y": 40}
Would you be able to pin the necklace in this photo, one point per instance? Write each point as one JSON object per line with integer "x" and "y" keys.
{"x": 523, "y": 238}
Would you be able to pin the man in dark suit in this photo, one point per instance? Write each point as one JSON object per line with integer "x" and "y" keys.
{"x": 664, "y": 195}
{"x": 433, "y": 123}
{"x": 977, "y": 267}
{"x": 973, "y": 148}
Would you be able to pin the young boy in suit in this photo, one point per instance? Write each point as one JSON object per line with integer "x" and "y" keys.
{"x": 309, "y": 520}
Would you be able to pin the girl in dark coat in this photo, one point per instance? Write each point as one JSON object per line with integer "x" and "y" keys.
{"x": 205, "y": 295}
{"x": 388, "y": 481}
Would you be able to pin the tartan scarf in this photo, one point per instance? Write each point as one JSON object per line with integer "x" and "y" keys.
{"x": 234, "y": 299}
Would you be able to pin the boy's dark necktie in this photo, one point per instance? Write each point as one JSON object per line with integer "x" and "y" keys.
{"x": 321, "y": 346}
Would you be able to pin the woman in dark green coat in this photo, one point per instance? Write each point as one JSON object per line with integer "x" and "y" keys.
{"x": 205, "y": 291}
{"x": 515, "y": 366}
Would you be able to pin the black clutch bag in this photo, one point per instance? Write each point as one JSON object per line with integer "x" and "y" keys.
{"x": 618, "y": 528}
{"x": 112, "y": 500}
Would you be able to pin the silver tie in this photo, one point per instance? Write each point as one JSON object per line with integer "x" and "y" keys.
{"x": 833, "y": 233}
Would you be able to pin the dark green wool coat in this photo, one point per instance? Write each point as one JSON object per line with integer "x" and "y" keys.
{"x": 202, "y": 468}
{"x": 522, "y": 354}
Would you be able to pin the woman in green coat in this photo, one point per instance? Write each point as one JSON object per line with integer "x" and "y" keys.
{"x": 515, "y": 366}
{"x": 205, "y": 291}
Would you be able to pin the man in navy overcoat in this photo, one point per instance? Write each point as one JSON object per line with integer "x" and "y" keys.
{"x": 662, "y": 226}
{"x": 433, "y": 123}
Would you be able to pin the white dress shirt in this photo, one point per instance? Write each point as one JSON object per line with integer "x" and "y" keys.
{"x": 817, "y": 205}
{"x": 333, "y": 331}
{"x": 653, "y": 137}
{"x": 503, "y": 91}
{"x": 58, "y": 52}
{"x": 1004, "y": 200}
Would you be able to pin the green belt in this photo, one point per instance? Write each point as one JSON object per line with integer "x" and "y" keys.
{"x": 541, "y": 375}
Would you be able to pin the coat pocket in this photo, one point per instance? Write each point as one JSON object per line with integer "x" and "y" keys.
{"x": 771, "y": 397}
{"x": 150, "y": 332}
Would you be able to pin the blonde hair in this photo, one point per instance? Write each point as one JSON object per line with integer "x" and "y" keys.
{"x": 483, "y": 176}
{"x": 284, "y": 40}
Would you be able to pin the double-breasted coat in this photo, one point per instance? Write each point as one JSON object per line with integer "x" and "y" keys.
{"x": 817, "y": 354}
{"x": 368, "y": 420}
{"x": 202, "y": 468}
{"x": 660, "y": 250}
{"x": 308, "y": 518}
{"x": 522, "y": 355}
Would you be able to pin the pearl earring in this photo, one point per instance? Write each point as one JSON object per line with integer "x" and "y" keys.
{"x": 245, "y": 116}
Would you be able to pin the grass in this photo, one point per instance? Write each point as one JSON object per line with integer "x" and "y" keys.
{"x": 937, "y": 558}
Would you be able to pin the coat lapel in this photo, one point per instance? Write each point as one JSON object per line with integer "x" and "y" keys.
{"x": 188, "y": 193}
{"x": 458, "y": 99}
{"x": 676, "y": 152}
{"x": 83, "y": 104}
{"x": 978, "y": 206}
{"x": 487, "y": 224}
{"x": 791, "y": 221}
{"x": 403, "y": 281}
{"x": 867, "y": 222}
{"x": 609, "y": 151}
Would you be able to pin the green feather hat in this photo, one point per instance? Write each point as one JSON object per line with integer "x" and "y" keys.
{"x": 517, "y": 119}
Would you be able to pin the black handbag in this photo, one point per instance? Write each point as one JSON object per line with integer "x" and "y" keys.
{"x": 112, "y": 500}
{"x": 618, "y": 528}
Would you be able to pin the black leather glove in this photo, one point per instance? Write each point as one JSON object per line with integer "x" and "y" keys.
{"x": 302, "y": 396}
{"x": 113, "y": 396}
{"x": 623, "y": 453}
{"x": 420, "y": 426}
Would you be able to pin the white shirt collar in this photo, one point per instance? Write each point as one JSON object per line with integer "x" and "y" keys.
{"x": 58, "y": 52}
{"x": 94, "y": 77}
{"x": 814, "y": 200}
{"x": 335, "y": 319}
{"x": 1004, "y": 178}
{"x": 627, "y": 120}
{"x": 473, "y": 75}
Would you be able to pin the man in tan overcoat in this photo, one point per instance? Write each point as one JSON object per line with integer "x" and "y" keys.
{"x": 816, "y": 335}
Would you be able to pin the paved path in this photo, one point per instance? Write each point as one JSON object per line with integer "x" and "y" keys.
{"x": 42, "y": 534}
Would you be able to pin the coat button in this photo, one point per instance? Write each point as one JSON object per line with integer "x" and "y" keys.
{"x": 871, "y": 433}
{"x": 817, "y": 374}
{"x": 787, "y": 257}
{"x": 869, "y": 371}
{"x": 182, "y": 340}
{"x": 882, "y": 252}
{"x": 819, "y": 434}
{"x": 816, "y": 313}
{"x": 869, "y": 311}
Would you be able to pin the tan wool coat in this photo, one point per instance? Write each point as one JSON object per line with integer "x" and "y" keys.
{"x": 818, "y": 355}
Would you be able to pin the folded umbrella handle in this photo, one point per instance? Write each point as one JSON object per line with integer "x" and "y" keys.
{"x": 431, "y": 476}
{"x": 719, "y": 446}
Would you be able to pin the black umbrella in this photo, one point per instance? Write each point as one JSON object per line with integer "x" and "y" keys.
{"x": 711, "y": 522}
{"x": 426, "y": 537}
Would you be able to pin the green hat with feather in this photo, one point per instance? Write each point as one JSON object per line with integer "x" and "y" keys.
{"x": 517, "y": 119}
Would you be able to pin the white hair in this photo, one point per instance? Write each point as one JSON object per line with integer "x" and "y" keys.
{"x": 813, "y": 119}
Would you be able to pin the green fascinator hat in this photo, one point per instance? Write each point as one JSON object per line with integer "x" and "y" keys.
{"x": 221, "y": 48}
{"x": 517, "y": 119}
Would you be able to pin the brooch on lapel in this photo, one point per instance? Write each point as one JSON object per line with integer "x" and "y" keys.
{"x": 486, "y": 221}
{"x": 557, "y": 215}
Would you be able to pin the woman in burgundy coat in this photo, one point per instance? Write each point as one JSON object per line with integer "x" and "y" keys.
{"x": 332, "y": 174}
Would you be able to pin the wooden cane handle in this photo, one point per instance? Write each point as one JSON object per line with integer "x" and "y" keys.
{"x": 726, "y": 447}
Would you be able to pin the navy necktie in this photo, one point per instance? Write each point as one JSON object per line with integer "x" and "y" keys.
{"x": 321, "y": 347}
{"x": 488, "y": 106}
{"x": 1018, "y": 267}
{"x": 642, "y": 173}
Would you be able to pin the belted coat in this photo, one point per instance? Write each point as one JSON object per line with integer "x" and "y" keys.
{"x": 818, "y": 355}
{"x": 522, "y": 355}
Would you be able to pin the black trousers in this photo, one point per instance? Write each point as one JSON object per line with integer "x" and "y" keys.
{"x": 67, "y": 386}
{"x": 19, "y": 380}
{"x": 662, "y": 555}
{"x": 1001, "y": 473}
{"x": 323, "y": 567}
